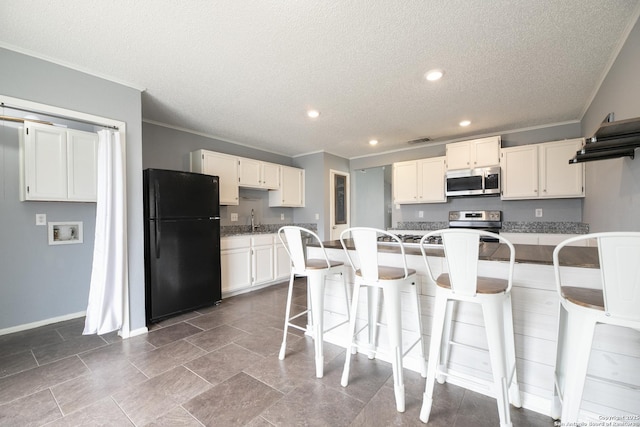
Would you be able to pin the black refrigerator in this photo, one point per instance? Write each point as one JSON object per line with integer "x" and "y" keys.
{"x": 182, "y": 242}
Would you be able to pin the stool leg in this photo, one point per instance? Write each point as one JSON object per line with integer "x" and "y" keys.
{"x": 283, "y": 347}
{"x": 373, "y": 305}
{"x": 560, "y": 365}
{"x": 439, "y": 314}
{"x": 347, "y": 292}
{"x": 514, "y": 388}
{"x": 416, "y": 298}
{"x": 394, "y": 324}
{"x": 494, "y": 326}
{"x": 351, "y": 335}
{"x": 445, "y": 345}
{"x": 579, "y": 339}
{"x": 316, "y": 289}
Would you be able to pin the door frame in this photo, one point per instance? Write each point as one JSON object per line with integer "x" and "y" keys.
{"x": 336, "y": 229}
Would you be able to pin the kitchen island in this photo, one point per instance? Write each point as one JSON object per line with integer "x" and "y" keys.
{"x": 615, "y": 354}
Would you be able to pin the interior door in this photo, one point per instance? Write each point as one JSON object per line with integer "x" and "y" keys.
{"x": 339, "y": 205}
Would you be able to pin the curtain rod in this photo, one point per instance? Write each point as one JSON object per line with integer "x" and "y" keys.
{"x": 87, "y": 122}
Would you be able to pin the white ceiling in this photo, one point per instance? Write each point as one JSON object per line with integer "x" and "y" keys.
{"x": 246, "y": 72}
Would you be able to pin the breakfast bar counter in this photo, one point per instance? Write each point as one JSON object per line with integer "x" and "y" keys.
{"x": 615, "y": 353}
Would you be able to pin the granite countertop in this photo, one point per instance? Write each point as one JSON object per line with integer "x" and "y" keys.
{"x": 245, "y": 230}
{"x": 586, "y": 257}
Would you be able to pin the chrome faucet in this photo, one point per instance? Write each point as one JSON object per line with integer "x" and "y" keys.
{"x": 254, "y": 227}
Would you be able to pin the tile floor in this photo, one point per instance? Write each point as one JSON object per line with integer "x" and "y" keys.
{"x": 214, "y": 367}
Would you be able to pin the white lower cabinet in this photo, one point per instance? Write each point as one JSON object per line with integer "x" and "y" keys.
{"x": 282, "y": 261}
{"x": 252, "y": 260}
{"x": 235, "y": 260}
{"x": 262, "y": 253}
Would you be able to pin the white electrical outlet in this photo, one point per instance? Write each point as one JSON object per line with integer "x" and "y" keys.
{"x": 41, "y": 219}
{"x": 420, "y": 214}
{"x": 317, "y": 216}
{"x": 234, "y": 216}
{"x": 281, "y": 217}
{"x": 538, "y": 213}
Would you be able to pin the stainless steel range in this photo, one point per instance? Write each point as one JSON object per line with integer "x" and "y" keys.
{"x": 479, "y": 220}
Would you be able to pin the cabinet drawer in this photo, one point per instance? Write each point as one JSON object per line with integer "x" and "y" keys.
{"x": 262, "y": 240}
{"x": 235, "y": 242}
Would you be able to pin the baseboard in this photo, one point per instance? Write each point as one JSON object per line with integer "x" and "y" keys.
{"x": 136, "y": 332}
{"x": 39, "y": 323}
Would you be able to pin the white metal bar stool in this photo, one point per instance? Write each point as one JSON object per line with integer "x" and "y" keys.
{"x": 617, "y": 303}
{"x": 316, "y": 271}
{"x": 462, "y": 283}
{"x": 392, "y": 280}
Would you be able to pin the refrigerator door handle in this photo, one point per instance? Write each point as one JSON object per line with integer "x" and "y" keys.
{"x": 157, "y": 227}
{"x": 158, "y": 234}
{"x": 156, "y": 199}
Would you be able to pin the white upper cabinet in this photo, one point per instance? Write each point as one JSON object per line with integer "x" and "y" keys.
{"x": 419, "y": 181}
{"x": 542, "y": 171}
{"x": 285, "y": 184}
{"x": 257, "y": 174}
{"x": 475, "y": 153}
{"x": 223, "y": 166}
{"x": 558, "y": 178}
{"x": 82, "y": 162}
{"x": 57, "y": 164}
{"x": 519, "y": 172}
{"x": 291, "y": 191}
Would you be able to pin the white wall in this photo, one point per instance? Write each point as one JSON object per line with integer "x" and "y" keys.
{"x": 613, "y": 186}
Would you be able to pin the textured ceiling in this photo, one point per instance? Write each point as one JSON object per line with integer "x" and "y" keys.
{"x": 247, "y": 71}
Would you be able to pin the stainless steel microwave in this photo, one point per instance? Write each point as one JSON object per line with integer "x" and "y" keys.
{"x": 473, "y": 182}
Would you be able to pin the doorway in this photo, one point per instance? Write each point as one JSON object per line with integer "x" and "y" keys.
{"x": 339, "y": 204}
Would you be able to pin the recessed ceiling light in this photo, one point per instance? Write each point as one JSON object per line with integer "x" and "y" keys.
{"x": 314, "y": 114}
{"x": 373, "y": 142}
{"x": 434, "y": 75}
{"x": 465, "y": 123}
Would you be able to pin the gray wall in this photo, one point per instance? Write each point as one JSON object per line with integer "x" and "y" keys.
{"x": 313, "y": 165}
{"x": 370, "y": 196}
{"x": 317, "y": 168}
{"x": 39, "y": 281}
{"x": 168, "y": 148}
{"x": 613, "y": 186}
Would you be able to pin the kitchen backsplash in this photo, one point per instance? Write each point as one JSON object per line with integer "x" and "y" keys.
{"x": 232, "y": 230}
{"x": 509, "y": 227}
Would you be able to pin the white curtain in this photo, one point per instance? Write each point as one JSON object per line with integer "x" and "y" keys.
{"x": 109, "y": 275}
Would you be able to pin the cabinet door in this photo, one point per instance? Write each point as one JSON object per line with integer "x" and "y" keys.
{"x": 291, "y": 192}
{"x": 485, "y": 151}
{"x": 558, "y": 178}
{"x": 282, "y": 262}
{"x": 458, "y": 155}
{"x": 82, "y": 162}
{"x": 45, "y": 162}
{"x": 431, "y": 173}
{"x": 270, "y": 176}
{"x": 249, "y": 173}
{"x": 223, "y": 166}
{"x": 519, "y": 172}
{"x": 235, "y": 266}
{"x": 263, "y": 268}
{"x": 405, "y": 182}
